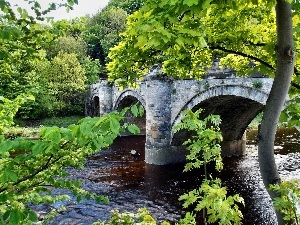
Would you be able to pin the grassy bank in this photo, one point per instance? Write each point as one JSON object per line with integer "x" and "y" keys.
{"x": 26, "y": 128}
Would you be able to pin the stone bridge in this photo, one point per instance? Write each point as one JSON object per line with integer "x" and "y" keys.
{"x": 236, "y": 100}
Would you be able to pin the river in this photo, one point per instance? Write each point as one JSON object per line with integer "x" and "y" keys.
{"x": 131, "y": 184}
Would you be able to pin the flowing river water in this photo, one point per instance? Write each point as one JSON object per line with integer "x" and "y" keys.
{"x": 130, "y": 184}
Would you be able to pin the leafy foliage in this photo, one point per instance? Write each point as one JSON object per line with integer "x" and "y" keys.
{"x": 92, "y": 69}
{"x": 69, "y": 45}
{"x": 130, "y": 6}
{"x": 29, "y": 168}
{"x": 142, "y": 217}
{"x": 66, "y": 82}
{"x": 23, "y": 60}
{"x": 8, "y": 109}
{"x": 288, "y": 200}
{"x": 204, "y": 145}
{"x": 184, "y": 35}
{"x": 102, "y": 32}
{"x": 69, "y": 28}
{"x": 291, "y": 114}
{"x": 203, "y": 148}
{"x": 58, "y": 86}
{"x": 185, "y": 38}
{"x": 213, "y": 198}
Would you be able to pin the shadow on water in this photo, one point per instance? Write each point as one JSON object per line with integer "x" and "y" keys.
{"x": 130, "y": 183}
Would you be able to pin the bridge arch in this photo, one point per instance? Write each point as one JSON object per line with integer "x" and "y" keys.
{"x": 236, "y": 105}
{"x": 95, "y": 106}
{"x": 127, "y": 98}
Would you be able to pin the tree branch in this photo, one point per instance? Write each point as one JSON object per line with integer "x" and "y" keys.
{"x": 256, "y": 59}
{"x": 34, "y": 174}
{"x": 242, "y": 54}
{"x": 256, "y": 44}
{"x": 295, "y": 85}
{"x": 182, "y": 15}
{"x": 296, "y": 71}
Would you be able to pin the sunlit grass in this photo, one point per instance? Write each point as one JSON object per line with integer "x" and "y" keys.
{"x": 32, "y": 128}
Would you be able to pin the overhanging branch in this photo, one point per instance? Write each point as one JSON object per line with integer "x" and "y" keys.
{"x": 243, "y": 54}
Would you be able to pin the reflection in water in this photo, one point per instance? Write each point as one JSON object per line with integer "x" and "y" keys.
{"x": 130, "y": 183}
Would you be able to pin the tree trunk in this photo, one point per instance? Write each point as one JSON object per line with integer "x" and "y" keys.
{"x": 285, "y": 68}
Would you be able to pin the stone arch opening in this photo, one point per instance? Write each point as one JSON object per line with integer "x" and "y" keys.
{"x": 236, "y": 112}
{"x": 127, "y": 98}
{"x": 95, "y": 107}
{"x": 127, "y": 101}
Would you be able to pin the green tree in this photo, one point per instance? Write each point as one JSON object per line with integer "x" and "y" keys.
{"x": 18, "y": 53}
{"x": 23, "y": 41}
{"x": 73, "y": 27}
{"x": 130, "y": 6}
{"x": 92, "y": 69}
{"x": 43, "y": 105}
{"x": 203, "y": 148}
{"x": 68, "y": 44}
{"x": 102, "y": 33}
{"x": 183, "y": 35}
{"x": 67, "y": 82}
{"x": 70, "y": 41}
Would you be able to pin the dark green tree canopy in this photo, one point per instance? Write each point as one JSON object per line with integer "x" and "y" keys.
{"x": 102, "y": 33}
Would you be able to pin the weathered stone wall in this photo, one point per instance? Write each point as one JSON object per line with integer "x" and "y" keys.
{"x": 99, "y": 98}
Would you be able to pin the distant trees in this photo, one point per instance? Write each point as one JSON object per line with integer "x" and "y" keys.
{"x": 45, "y": 61}
{"x": 88, "y": 38}
{"x": 130, "y": 6}
{"x": 102, "y": 32}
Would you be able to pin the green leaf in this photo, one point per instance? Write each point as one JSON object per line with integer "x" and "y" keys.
{"x": 206, "y": 4}
{"x": 108, "y": 139}
{"x": 284, "y": 116}
{"x": 141, "y": 110}
{"x": 86, "y": 128}
{"x": 190, "y": 2}
{"x": 32, "y": 216}
{"x": 134, "y": 110}
{"x": 11, "y": 175}
{"x": 114, "y": 125}
{"x": 6, "y": 215}
{"x": 6, "y": 146}
{"x": 39, "y": 147}
{"x": 98, "y": 142}
{"x": 105, "y": 126}
{"x": 133, "y": 129}
{"x": 4, "y": 197}
{"x": 15, "y": 217}
{"x": 3, "y": 178}
{"x": 20, "y": 10}
{"x": 55, "y": 137}
{"x": 66, "y": 134}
